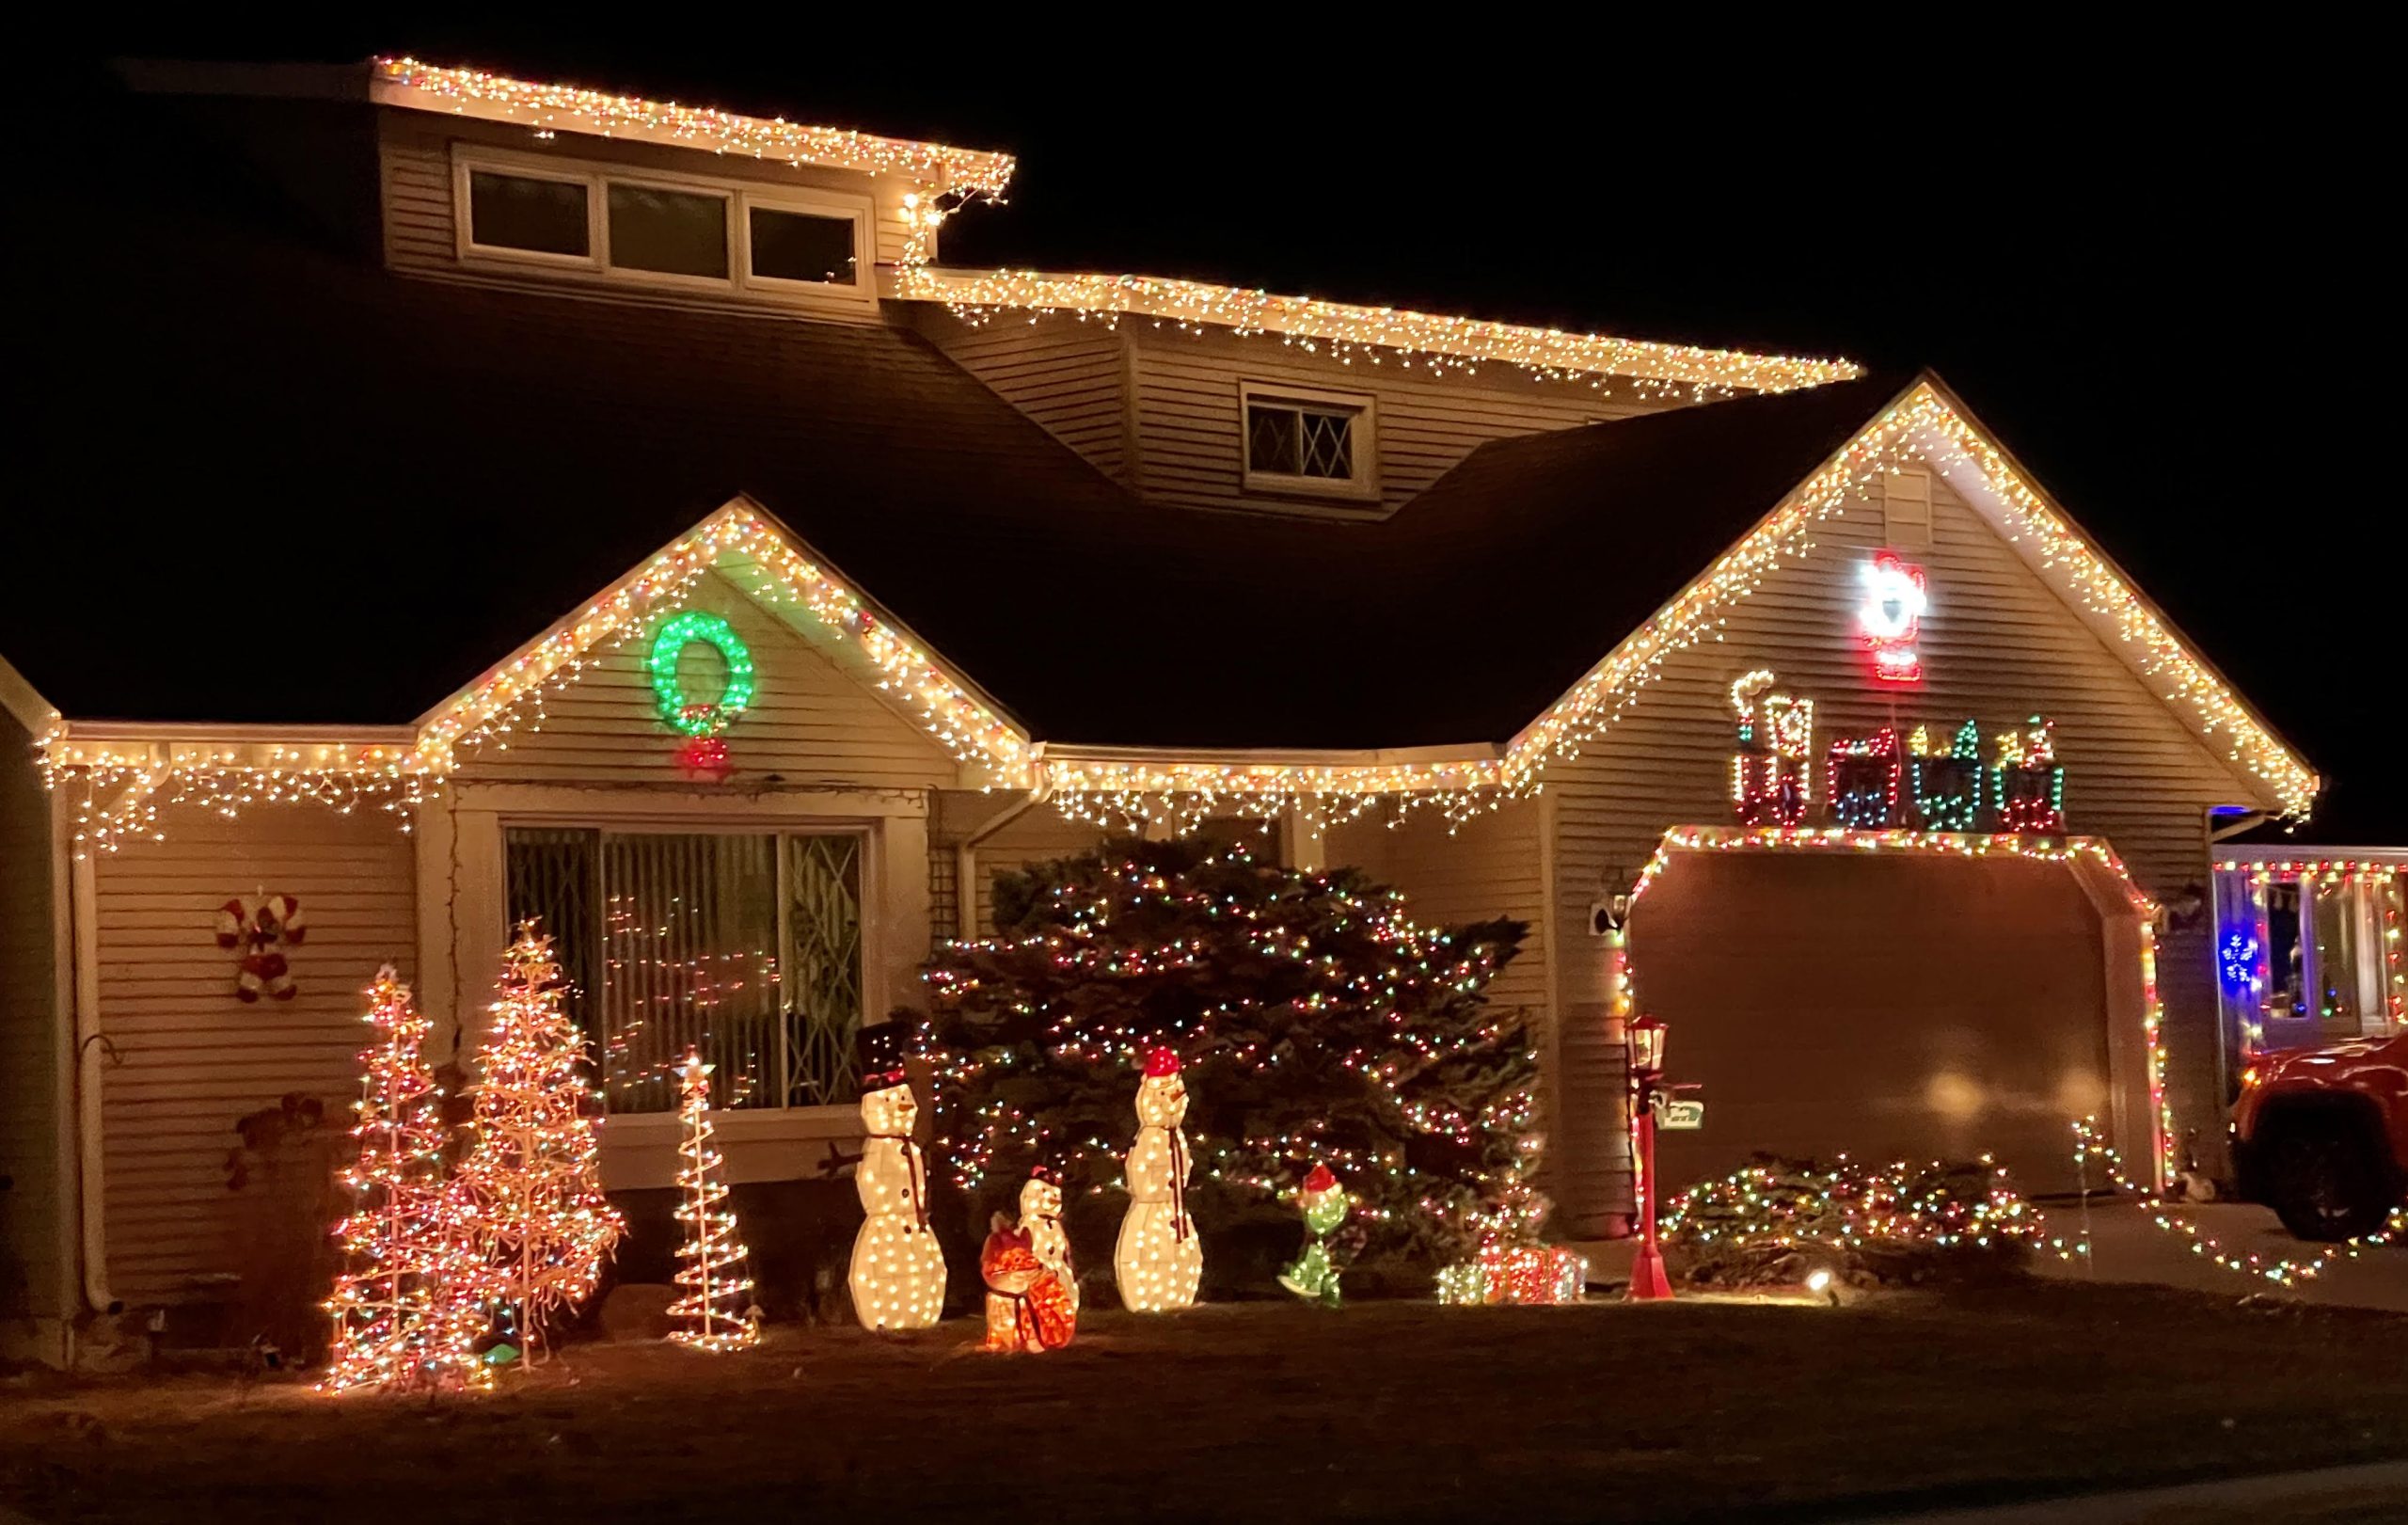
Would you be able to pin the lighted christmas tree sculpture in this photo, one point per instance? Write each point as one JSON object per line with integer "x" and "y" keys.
{"x": 1159, "y": 1260}
{"x": 1316, "y": 1023}
{"x": 716, "y": 1305}
{"x": 532, "y": 1173}
{"x": 897, "y": 1272}
{"x": 1322, "y": 1201}
{"x": 405, "y": 1309}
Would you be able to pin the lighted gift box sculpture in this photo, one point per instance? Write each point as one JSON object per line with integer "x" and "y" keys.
{"x": 1947, "y": 785}
{"x": 2028, "y": 786}
{"x": 1861, "y": 776}
{"x": 1771, "y": 772}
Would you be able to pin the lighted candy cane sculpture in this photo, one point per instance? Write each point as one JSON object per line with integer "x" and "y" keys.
{"x": 1159, "y": 1260}
{"x": 898, "y": 1275}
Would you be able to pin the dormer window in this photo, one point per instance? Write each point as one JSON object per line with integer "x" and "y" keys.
{"x": 776, "y": 244}
{"x": 1308, "y": 442}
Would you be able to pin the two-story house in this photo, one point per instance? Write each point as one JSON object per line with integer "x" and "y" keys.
{"x": 449, "y": 499}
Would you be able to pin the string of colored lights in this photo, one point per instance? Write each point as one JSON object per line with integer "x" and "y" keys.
{"x": 1161, "y": 788}
{"x": 1348, "y": 332}
{"x": 2285, "y": 1271}
{"x": 1847, "y": 1206}
{"x": 2062, "y": 849}
{"x": 404, "y": 1307}
{"x": 532, "y": 1174}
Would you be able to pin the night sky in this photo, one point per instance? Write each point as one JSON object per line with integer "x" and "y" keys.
{"x": 2155, "y": 280}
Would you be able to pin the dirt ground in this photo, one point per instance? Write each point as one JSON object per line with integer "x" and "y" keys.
{"x": 1393, "y": 1411}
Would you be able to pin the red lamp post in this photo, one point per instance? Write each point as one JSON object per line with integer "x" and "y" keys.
{"x": 1645, "y": 1037}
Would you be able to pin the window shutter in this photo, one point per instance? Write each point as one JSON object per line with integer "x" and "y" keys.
{"x": 1906, "y": 509}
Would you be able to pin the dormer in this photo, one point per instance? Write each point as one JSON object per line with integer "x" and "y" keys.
{"x": 489, "y": 178}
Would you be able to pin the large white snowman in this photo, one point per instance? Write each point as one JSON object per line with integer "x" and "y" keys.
{"x": 898, "y": 1275}
{"x": 1159, "y": 1260}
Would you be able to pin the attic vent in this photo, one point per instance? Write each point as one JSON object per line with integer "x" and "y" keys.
{"x": 1906, "y": 509}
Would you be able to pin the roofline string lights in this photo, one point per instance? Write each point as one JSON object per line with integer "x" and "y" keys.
{"x": 1139, "y": 790}
{"x": 1347, "y": 332}
{"x": 2060, "y": 850}
{"x": 948, "y": 178}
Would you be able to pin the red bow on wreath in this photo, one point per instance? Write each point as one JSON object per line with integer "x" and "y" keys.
{"x": 254, "y": 929}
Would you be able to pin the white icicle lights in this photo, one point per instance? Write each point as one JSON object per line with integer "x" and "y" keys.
{"x": 898, "y": 1275}
{"x": 1159, "y": 1260}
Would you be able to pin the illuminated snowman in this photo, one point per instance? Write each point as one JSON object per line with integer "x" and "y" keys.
{"x": 1159, "y": 1260}
{"x": 898, "y": 1275}
{"x": 1041, "y": 1218}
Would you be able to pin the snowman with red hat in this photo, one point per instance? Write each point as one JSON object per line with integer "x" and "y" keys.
{"x": 1159, "y": 1260}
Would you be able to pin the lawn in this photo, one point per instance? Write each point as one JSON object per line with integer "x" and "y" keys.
{"x": 1268, "y": 1412}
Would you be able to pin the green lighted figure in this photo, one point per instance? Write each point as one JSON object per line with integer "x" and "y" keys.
{"x": 1324, "y": 1203}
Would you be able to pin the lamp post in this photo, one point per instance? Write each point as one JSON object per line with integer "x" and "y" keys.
{"x": 1645, "y": 1037}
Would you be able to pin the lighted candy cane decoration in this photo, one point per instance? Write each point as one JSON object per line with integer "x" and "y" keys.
{"x": 1159, "y": 1260}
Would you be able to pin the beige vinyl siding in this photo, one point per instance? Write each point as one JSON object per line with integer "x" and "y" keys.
{"x": 1190, "y": 431}
{"x": 35, "y": 1272}
{"x": 1071, "y": 377}
{"x": 1039, "y": 833}
{"x": 811, "y": 722}
{"x": 1998, "y": 645}
{"x": 1489, "y": 867}
{"x": 414, "y": 150}
{"x": 190, "y": 1058}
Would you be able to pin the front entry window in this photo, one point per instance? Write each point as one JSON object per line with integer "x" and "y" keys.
{"x": 746, "y": 944}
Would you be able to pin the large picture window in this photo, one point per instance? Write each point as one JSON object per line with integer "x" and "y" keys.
{"x": 747, "y": 945}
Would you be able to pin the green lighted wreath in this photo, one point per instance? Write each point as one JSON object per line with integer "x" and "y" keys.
{"x": 668, "y": 650}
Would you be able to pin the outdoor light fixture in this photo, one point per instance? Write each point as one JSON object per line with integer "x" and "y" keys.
{"x": 1645, "y": 1035}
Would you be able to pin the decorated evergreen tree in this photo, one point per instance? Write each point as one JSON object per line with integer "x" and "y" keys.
{"x": 1314, "y": 1019}
{"x": 715, "y": 1310}
{"x": 405, "y": 1310}
{"x": 532, "y": 1174}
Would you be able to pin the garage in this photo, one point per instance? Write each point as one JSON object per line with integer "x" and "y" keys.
{"x": 1911, "y": 1005}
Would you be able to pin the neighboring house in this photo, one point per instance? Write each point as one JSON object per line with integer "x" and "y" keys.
{"x": 1003, "y": 559}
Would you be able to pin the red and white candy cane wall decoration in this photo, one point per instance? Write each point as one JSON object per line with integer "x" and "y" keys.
{"x": 255, "y": 930}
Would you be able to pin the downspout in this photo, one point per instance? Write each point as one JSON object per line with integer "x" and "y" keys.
{"x": 92, "y": 1049}
{"x": 965, "y": 860}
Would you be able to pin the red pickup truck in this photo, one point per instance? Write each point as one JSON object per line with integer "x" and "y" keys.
{"x": 2321, "y": 1135}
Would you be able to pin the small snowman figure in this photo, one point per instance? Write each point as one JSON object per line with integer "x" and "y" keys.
{"x": 1159, "y": 1260}
{"x": 898, "y": 1275}
{"x": 1041, "y": 1218}
{"x": 1323, "y": 1202}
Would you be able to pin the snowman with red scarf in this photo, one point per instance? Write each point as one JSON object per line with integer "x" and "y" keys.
{"x": 1159, "y": 1260}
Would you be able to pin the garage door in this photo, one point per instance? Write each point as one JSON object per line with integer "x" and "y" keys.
{"x": 1921, "y": 1007}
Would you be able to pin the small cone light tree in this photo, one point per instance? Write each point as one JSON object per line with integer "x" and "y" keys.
{"x": 1315, "y": 1021}
{"x": 717, "y": 1290}
{"x": 533, "y": 1176}
{"x": 403, "y": 1308}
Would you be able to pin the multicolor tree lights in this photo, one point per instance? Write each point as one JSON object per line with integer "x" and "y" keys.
{"x": 716, "y": 1304}
{"x": 404, "y": 1307}
{"x": 532, "y": 1174}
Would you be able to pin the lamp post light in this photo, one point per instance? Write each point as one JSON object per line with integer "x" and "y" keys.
{"x": 1645, "y": 1038}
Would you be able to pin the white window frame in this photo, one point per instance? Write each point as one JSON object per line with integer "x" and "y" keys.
{"x": 1362, "y": 447}
{"x": 737, "y": 198}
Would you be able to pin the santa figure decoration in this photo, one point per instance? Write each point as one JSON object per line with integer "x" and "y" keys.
{"x": 1770, "y": 782}
{"x": 898, "y": 1275}
{"x": 1323, "y": 1202}
{"x": 1041, "y": 1218}
{"x": 1032, "y": 1297}
{"x": 2028, "y": 787}
{"x": 1896, "y": 597}
{"x": 1159, "y": 1260}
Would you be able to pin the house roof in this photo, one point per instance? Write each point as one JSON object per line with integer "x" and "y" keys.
{"x": 311, "y": 491}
